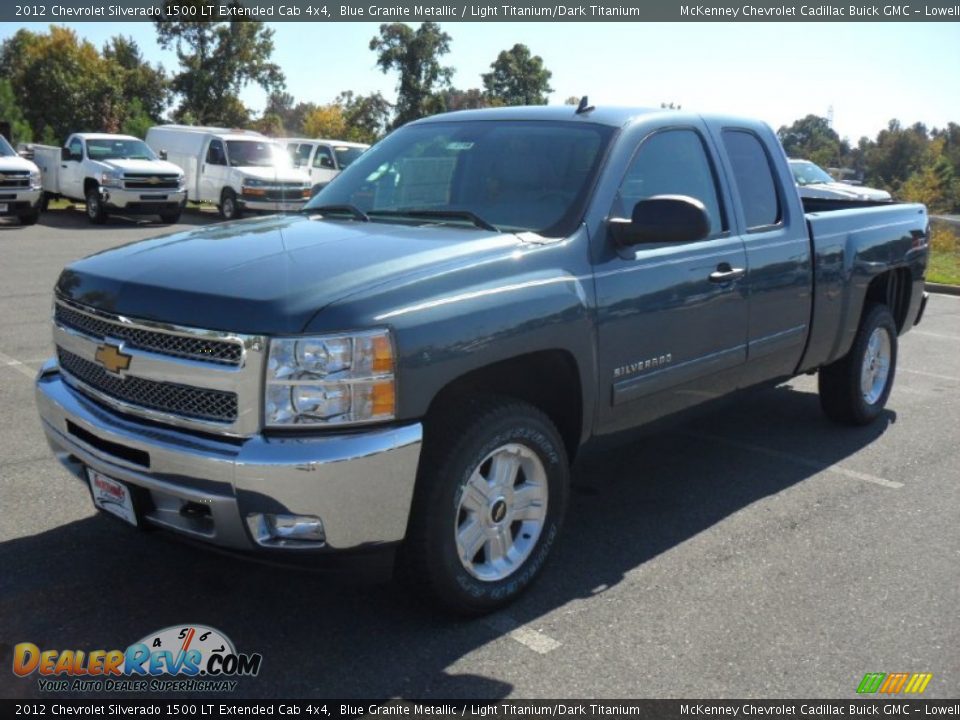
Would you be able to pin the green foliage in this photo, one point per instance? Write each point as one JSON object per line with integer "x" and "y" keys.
{"x": 217, "y": 60}
{"x": 896, "y": 154}
{"x": 367, "y": 117}
{"x": 10, "y": 112}
{"x": 138, "y": 121}
{"x": 518, "y": 78}
{"x": 944, "y": 255}
{"x": 812, "y": 138}
{"x": 144, "y": 88}
{"x": 415, "y": 54}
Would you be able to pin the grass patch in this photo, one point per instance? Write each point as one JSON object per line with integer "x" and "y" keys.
{"x": 944, "y": 254}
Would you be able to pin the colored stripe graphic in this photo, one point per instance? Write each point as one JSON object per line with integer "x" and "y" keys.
{"x": 918, "y": 683}
{"x": 893, "y": 683}
{"x": 871, "y": 682}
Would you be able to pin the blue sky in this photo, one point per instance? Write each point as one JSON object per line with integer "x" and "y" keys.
{"x": 778, "y": 72}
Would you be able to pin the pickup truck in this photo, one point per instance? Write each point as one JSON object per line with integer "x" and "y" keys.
{"x": 19, "y": 186}
{"x": 412, "y": 362}
{"x": 111, "y": 173}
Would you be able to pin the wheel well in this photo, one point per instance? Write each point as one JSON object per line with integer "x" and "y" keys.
{"x": 548, "y": 380}
{"x": 88, "y": 184}
{"x": 892, "y": 289}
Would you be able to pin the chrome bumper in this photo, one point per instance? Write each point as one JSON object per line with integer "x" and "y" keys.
{"x": 359, "y": 484}
{"x": 119, "y": 198}
{"x": 272, "y": 205}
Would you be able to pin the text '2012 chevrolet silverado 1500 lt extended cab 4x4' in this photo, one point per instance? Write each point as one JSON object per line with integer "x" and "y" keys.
{"x": 414, "y": 360}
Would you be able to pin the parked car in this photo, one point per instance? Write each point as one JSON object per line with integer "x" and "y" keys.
{"x": 323, "y": 159}
{"x": 238, "y": 170}
{"x": 411, "y": 364}
{"x": 815, "y": 182}
{"x": 20, "y": 190}
{"x": 111, "y": 173}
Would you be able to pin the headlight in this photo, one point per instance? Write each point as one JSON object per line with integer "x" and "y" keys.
{"x": 254, "y": 182}
{"x": 111, "y": 179}
{"x": 330, "y": 380}
{"x": 34, "y": 178}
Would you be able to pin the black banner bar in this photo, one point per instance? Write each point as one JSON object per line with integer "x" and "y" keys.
{"x": 415, "y": 11}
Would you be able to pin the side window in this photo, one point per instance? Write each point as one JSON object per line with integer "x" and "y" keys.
{"x": 754, "y": 178}
{"x": 673, "y": 162}
{"x": 216, "y": 154}
{"x": 292, "y": 152}
{"x": 76, "y": 150}
{"x": 302, "y": 157}
{"x": 323, "y": 158}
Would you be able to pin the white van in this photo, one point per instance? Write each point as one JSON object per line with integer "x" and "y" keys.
{"x": 237, "y": 170}
{"x": 323, "y": 159}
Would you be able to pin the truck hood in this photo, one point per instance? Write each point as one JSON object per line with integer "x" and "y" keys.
{"x": 842, "y": 191}
{"x": 266, "y": 275}
{"x": 15, "y": 162}
{"x": 141, "y": 166}
{"x": 274, "y": 174}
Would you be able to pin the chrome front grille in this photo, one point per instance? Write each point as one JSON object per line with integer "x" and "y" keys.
{"x": 15, "y": 178}
{"x": 191, "y": 347}
{"x": 197, "y": 379}
{"x": 151, "y": 182}
{"x": 189, "y": 402}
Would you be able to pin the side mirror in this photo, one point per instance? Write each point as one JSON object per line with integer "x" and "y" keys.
{"x": 662, "y": 218}
{"x": 162, "y": 154}
{"x": 65, "y": 153}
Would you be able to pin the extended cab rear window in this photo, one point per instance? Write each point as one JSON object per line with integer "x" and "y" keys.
{"x": 754, "y": 178}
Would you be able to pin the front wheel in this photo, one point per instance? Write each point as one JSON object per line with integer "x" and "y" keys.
{"x": 96, "y": 213}
{"x": 854, "y": 389}
{"x": 30, "y": 218}
{"x": 229, "y": 206}
{"x": 489, "y": 504}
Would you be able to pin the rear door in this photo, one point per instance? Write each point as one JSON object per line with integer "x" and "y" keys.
{"x": 672, "y": 316}
{"x": 777, "y": 242}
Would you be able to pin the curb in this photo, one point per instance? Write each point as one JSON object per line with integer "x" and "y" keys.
{"x": 943, "y": 289}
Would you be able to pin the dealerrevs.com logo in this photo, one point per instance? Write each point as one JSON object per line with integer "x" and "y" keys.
{"x": 181, "y": 658}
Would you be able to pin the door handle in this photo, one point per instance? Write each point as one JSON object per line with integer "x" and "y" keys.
{"x": 724, "y": 273}
{"x": 64, "y": 167}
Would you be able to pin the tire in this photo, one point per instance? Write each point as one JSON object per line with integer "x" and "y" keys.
{"x": 95, "y": 210}
{"x": 854, "y": 389}
{"x": 479, "y": 472}
{"x": 30, "y": 218}
{"x": 170, "y": 218}
{"x": 44, "y": 202}
{"x": 229, "y": 207}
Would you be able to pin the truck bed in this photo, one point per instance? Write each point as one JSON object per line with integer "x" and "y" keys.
{"x": 47, "y": 158}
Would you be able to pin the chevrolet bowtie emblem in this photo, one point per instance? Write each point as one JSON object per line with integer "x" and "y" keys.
{"x": 112, "y": 359}
{"x": 154, "y": 180}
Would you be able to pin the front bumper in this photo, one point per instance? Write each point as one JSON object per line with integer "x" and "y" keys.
{"x": 146, "y": 202}
{"x": 249, "y": 202}
{"x": 359, "y": 484}
{"x": 20, "y": 201}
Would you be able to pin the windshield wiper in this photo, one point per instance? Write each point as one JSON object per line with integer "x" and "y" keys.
{"x": 351, "y": 210}
{"x": 430, "y": 213}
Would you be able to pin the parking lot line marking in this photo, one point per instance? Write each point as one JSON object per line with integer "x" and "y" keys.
{"x": 17, "y": 365}
{"x": 936, "y": 335}
{"x": 799, "y": 460}
{"x": 533, "y": 639}
{"x": 933, "y": 375}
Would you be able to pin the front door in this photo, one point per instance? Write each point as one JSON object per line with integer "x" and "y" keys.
{"x": 71, "y": 171}
{"x": 672, "y": 316}
{"x": 213, "y": 171}
{"x": 323, "y": 168}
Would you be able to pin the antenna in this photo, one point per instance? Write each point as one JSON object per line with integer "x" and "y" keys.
{"x": 584, "y": 106}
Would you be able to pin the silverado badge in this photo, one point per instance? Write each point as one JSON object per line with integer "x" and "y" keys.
{"x": 112, "y": 359}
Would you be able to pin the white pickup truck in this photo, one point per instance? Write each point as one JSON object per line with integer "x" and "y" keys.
{"x": 112, "y": 173}
{"x": 19, "y": 186}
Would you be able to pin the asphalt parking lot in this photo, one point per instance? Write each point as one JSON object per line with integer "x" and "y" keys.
{"x": 759, "y": 551}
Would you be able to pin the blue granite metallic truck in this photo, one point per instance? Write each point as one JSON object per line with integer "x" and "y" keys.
{"x": 412, "y": 362}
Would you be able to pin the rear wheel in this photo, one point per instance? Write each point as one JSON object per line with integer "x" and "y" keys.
{"x": 854, "y": 389}
{"x": 95, "y": 210}
{"x": 229, "y": 206}
{"x": 489, "y": 504}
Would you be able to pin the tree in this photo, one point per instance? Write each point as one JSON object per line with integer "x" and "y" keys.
{"x": 812, "y": 138}
{"x": 934, "y": 184}
{"x": 10, "y": 112}
{"x": 415, "y": 54}
{"x": 140, "y": 82}
{"x": 367, "y": 117}
{"x": 472, "y": 99}
{"x": 517, "y": 78}
{"x": 896, "y": 155}
{"x": 62, "y": 85}
{"x": 218, "y": 59}
{"x": 326, "y": 121}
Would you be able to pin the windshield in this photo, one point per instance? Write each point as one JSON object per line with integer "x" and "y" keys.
{"x": 5, "y": 149}
{"x": 806, "y": 173}
{"x": 515, "y": 175}
{"x": 253, "y": 153}
{"x": 346, "y": 155}
{"x": 113, "y": 149}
